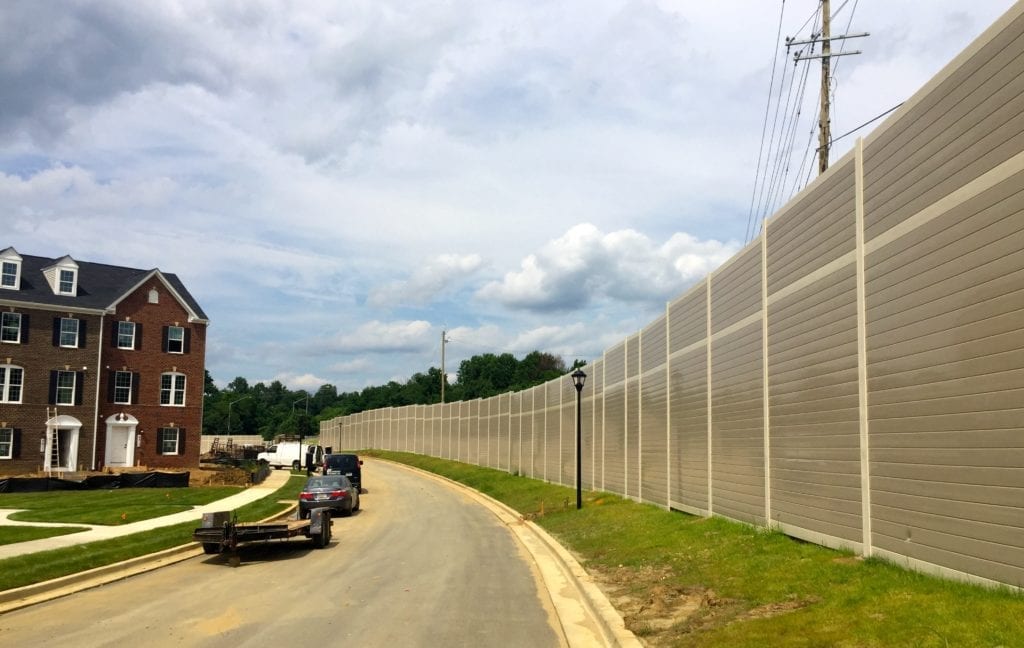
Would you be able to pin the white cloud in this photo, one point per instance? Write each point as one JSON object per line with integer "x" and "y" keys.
{"x": 442, "y": 274}
{"x": 383, "y": 337}
{"x": 306, "y": 381}
{"x": 586, "y": 265}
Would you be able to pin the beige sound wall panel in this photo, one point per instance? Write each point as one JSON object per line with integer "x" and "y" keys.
{"x": 736, "y": 289}
{"x": 971, "y": 121}
{"x": 539, "y": 442}
{"x": 593, "y": 406}
{"x": 654, "y": 414}
{"x": 946, "y": 387}
{"x": 737, "y": 419}
{"x": 814, "y": 408}
{"x": 817, "y": 230}
{"x": 615, "y": 419}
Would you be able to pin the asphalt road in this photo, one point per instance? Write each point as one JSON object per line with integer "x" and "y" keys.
{"x": 419, "y": 565}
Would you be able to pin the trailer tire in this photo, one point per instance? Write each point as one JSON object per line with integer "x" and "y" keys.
{"x": 321, "y": 539}
{"x": 211, "y": 548}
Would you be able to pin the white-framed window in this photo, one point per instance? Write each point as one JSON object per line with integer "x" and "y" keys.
{"x": 6, "y": 443}
{"x": 154, "y": 296}
{"x": 126, "y": 335}
{"x": 66, "y": 282}
{"x": 11, "y": 381}
{"x": 9, "y": 274}
{"x": 69, "y": 332}
{"x": 123, "y": 387}
{"x": 168, "y": 441}
{"x": 10, "y": 327}
{"x": 65, "y": 388}
{"x": 172, "y": 388}
{"x": 175, "y": 339}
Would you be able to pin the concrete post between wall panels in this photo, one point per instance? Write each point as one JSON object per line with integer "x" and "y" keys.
{"x": 668, "y": 410}
{"x": 561, "y": 450}
{"x": 604, "y": 413}
{"x": 626, "y": 418}
{"x": 639, "y": 416}
{"x": 707, "y": 314}
{"x": 764, "y": 377}
{"x": 862, "y": 352}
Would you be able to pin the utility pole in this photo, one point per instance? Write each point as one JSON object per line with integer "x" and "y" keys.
{"x": 826, "y": 62}
{"x": 826, "y": 38}
{"x": 444, "y": 378}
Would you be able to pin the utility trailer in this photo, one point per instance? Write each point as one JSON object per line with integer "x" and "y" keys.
{"x": 222, "y": 533}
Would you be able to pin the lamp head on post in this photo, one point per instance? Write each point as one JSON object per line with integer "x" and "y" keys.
{"x": 578, "y": 379}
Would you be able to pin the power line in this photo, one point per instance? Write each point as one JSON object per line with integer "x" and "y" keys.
{"x": 764, "y": 126}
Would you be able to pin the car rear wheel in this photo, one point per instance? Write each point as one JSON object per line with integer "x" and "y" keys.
{"x": 211, "y": 548}
{"x": 303, "y": 514}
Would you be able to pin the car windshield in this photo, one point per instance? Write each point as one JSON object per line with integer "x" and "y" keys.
{"x": 315, "y": 483}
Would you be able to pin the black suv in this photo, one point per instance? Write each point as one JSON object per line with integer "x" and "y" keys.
{"x": 349, "y": 465}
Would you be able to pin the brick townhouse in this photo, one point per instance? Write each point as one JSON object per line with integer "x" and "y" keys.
{"x": 100, "y": 366}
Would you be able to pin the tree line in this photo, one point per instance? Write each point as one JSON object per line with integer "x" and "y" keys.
{"x": 271, "y": 410}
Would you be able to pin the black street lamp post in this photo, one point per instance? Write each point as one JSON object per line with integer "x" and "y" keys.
{"x": 578, "y": 378}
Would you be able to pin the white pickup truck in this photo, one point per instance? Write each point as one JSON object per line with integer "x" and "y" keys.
{"x": 291, "y": 454}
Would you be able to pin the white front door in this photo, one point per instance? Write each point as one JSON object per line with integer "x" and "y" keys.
{"x": 120, "y": 446}
{"x": 117, "y": 446}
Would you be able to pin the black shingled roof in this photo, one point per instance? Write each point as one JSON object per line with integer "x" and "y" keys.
{"x": 99, "y": 285}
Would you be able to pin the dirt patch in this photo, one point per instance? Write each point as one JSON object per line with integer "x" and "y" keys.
{"x": 219, "y": 476}
{"x": 650, "y": 603}
{"x": 662, "y": 612}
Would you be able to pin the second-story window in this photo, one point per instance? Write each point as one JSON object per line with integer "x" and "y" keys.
{"x": 65, "y": 394}
{"x": 123, "y": 387}
{"x": 11, "y": 380}
{"x": 175, "y": 339}
{"x": 68, "y": 332}
{"x": 172, "y": 388}
{"x": 126, "y": 335}
{"x": 10, "y": 327}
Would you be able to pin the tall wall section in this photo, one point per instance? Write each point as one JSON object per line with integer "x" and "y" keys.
{"x": 853, "y": 377}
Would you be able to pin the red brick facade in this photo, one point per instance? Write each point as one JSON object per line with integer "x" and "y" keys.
{"x": 155, "y": 417}
{"x": 148, "y": 363}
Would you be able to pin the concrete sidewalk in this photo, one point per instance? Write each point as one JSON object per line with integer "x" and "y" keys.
{"x": 276, "y": 479}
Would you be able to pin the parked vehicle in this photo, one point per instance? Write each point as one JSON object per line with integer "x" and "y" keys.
{"x": 220, "y": 533}
{"x": 349, "y": 465}
{"x": 290, "y": 454}
{"x": 333, "y": 492}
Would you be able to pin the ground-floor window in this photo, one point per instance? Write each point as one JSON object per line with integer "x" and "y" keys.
{"x": 6, "y": 443}
{"x": 169, "y": 441}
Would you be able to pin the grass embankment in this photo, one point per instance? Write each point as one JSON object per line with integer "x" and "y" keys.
{"x": 691, "y": 581}
{"x": 46, "y": 565}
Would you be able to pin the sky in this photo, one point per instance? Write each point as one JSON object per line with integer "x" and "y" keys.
{"x": 339, "y": 182}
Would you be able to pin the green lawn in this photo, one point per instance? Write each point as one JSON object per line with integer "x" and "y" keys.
{"x": 46, "y": 565}
{"x": 749, "y": 587}
{"x": 15, "y": 534}
{"x": 109, "y": 506}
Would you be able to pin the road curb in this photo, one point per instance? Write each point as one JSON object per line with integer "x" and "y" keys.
{"x": 610, "y": 625}
{"x": 14, "y": 599}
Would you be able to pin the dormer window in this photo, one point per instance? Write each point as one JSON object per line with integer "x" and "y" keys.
{"x": 9, "y": 272}
{"x": 10, "y": 269}
{"x": 63, "y": 276}
{"x": 67, "y": 282}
